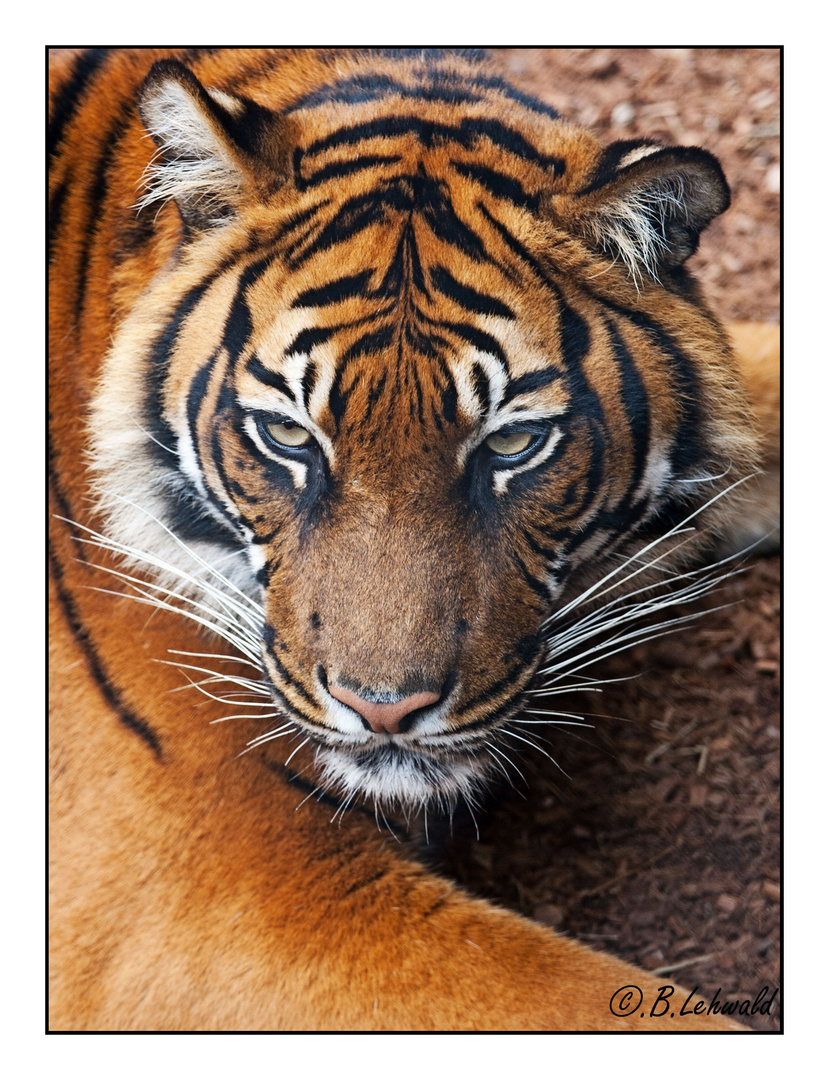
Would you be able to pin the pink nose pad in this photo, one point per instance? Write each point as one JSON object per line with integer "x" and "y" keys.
{"x": 383, "y": 717}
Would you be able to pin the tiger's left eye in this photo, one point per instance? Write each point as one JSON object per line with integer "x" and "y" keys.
{"x": 509, "y": 443}
{"x": 287, "y": 433}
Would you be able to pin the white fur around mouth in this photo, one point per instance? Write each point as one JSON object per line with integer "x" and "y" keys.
{"x": 393, "y": 775}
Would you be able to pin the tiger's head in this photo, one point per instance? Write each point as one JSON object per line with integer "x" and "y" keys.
{"x": 426, "y": 366}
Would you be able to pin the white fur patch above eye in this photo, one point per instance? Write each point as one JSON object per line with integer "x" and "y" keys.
{"x": 492, "y": 368}
{"x": 658, "y": 472}
{"x": 257, "y": 555}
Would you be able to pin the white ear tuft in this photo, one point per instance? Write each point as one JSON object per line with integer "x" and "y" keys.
{"x": 631, "y": 226}
{"x": 215, "y": 150}
{"x": 646, "y": 205}
{"x": 195, "y": 165}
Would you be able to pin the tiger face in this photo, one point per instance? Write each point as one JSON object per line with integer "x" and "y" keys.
{"x": 426, "y": 368}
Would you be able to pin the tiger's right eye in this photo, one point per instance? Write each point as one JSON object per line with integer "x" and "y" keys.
{"x": 288, "y": 434}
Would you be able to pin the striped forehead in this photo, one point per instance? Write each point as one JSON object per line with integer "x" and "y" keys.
{"x": 486, "y": 358}
{"x": 486, "y": 387}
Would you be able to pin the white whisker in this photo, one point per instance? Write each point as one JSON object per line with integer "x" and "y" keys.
{"x": 216, "y": 656}
{"x": 499, "y": 765}
{"x": 574, "y": 721}
{"x": 676, "y": 530}
{"x": 310, "y": 794}
{"x": 270, "y": 736}
{"x": 244, "y": 716}
{"x": 297, "y": 749}
{"x": 507, "y": 759}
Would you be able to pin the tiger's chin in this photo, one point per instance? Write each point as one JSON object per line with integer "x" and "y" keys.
{"x": 401, "y": 777}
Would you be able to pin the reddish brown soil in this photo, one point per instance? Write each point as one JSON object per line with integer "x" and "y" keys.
{"x": 661, "y": 842}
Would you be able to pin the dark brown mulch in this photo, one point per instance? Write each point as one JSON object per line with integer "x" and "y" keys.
{"x": 661, "y": 842}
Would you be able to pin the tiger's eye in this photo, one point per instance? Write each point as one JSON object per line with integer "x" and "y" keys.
{"x": 509, "y": 443}
{"x": 287, "y": 433}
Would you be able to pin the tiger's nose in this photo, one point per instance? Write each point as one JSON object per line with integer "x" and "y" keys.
{"x": 384, "y": 717}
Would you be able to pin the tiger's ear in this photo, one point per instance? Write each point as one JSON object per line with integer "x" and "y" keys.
{"x": 216, "y": 151}
{"x": 647, "y": 204}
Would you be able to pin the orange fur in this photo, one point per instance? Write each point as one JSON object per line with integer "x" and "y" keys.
{"x": 194, "y": 888}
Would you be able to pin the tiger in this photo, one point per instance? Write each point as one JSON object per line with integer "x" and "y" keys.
{"x": 384, "y": 389}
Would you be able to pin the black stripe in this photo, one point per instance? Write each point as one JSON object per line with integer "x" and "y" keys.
{"x": 302, "y": 217}
{"x": 335, "y": 170}
{"x": 68, "y": 98}
{"x": 449, "y": 402}
{"x": 196, "y": 398}
{"x": 466, "y": 296}
{"x": 95, "y": 202}
{"x": 494, "y": 690}
{"x": 516, "y": 247}
{"x": 494, "y": 82}
{"x": 269, "y": 638}
{"x": 267, "y": 376}
{"x": 537, "y": 586}
{"x": 309, "y": 381}
{"x": 436, "y": 83}
{"x": 217, "y": 453}
{"x": 575, "y": 342}
{"x": 369, "y": 86}
{"x": 239, "y": 323}
{"x": 529, "y": 383}
{"x": 57, "y": 489}
{"x": 187, "y": 517}
{"x": 688, "y": 450}
{"x": 538, "y": 548}
{"x": 353, "y": 217}
{"x": 305, "y": 340}
{"x": 497, "y": 183}
{"x": 429, "y": 134}
{"x": 363, "y": 883}
{"x": 339, "y": 289}
{"x": 478, "y": 339}
{"x": 427, "y": 346}
{"x": 371, "y": 342}
{"x": 160, "y": 353}
{"x": 480, "y": 384}
{"x": 108, "y": 688}
{"x": 636, "y": 406}
{"x": 56, "y": 211}
{"x": 571, "y": 504}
